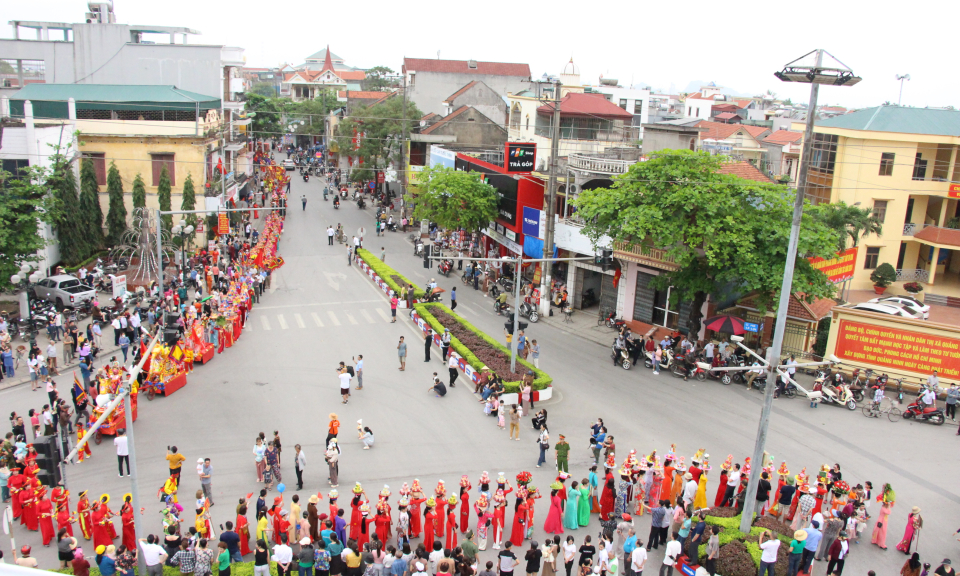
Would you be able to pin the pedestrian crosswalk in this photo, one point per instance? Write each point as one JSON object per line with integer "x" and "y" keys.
{"x": 296, "y": 320}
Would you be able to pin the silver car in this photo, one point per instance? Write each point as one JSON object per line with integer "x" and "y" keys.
{"x": 65, "y": 291}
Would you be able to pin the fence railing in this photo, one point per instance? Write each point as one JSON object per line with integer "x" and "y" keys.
{"x": 912, "y": 275}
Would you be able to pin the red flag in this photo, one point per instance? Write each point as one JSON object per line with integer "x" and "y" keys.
{"x": 220, "y": 166}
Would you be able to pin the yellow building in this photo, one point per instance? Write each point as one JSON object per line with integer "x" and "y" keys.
{"x": 904, "y": 164}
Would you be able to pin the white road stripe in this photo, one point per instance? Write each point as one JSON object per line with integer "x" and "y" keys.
{"x": 352, "y": 319}
{"x": 317, "y": 320}
{"x": 333, "y": 318}
{"x": 465, "y": 308}
{"x": 299, "y": 319}
{"x": 366, "y": 316}
{"x": 282, "y": 321}
{"x": 265, "y": 322}
{"x": 383, "y": 314}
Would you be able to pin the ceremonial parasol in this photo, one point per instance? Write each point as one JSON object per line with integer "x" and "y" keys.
{"x": 726, "y": 324}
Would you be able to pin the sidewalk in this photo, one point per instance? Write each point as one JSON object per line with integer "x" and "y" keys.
{"x": 582, "y": 325}
{"x": 23, "y": 372}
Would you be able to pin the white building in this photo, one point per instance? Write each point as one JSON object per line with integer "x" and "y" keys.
{"x": 634, "y": 101}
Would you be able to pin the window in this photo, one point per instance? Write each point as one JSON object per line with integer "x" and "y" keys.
{"x": 886, "y": 163}
{"x": 99, "y": 165}
{"x": 14, "y": 167}
{"x": 637, "y": 106}
{"x": 919, "y": 167}
{"x": 873, "y": 256}
{"x": 515, "y": 116}
{"x": 880, "y": 209}
{"x": 818, "y": 193}
{"x": 528, "y": 121}
{"x": 159, "y": 161}
{"x": 824, "y": 153}
{"x": 623, "y": 103}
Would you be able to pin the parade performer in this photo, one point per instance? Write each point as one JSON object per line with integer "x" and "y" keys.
{"x": 504, "y": 484}
{"x": 440, "y": 495}
{"x": 656, "y": 486}
{"x": 403, "y": 521}
{"x": 608, "y": 497}
{"x": 641, "y": 491}
{"x": 366, "y": 525}
{"x": 85, "y": 452}
{"x": 84, "y": 516}
{"x": 385, "y": 501}
{"x": 334, "y": 508}
{"x": 65, "y": 520}
{"x": 416, "y": 499}
{"x": 101, "y": 536}
{"x": 912, "y": 530}
{"x": 519, "y": 530}
{"x": 45, "y": 514}
{"x": 170, "y": 487}
{"x": 465, "y": 487}
{"x": 533, "y": 494}
{"x": 482, "y": 507}
{"x": 677, "y": 488}
{"x": 109, "y": 514}
{"x": 499, "y": 518}
{"x": 243, "y": 526}
{"x": 622, "y": 501}
{"x": 60, "y": 497}
{"x": 722, "y": 488}
{"x": 129, "y": 539}
{"x": 798, "y": 481}
{"x": 429, "y": 522}
{"x": 571, "y": 518}
{"x": 382, "y": 522}
{"x": 15, "y": 484}
{"x": 700, "y": 498}
{"x": 583, "y": 503}
{"x": 451, "y": 540}
{"x": 669, "y": 468}
{"x": 355, "y": 513}
{"x": 554, "y": 522}
{"x": 28, "y": 507}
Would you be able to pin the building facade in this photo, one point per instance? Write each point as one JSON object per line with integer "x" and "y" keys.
{"x": 431, "y": 81}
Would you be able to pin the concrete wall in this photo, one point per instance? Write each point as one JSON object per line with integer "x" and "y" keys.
{"x": 484, "y": 99}
{"x": 430, "y": 89}
{"x": 696, "y": 108}
{"x": 473, "y": 128}
{"x": 631, "y": 96}
{"x": 656, "y": 140}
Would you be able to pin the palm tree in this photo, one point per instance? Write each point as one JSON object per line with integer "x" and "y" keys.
{"x": 849, "y": 222}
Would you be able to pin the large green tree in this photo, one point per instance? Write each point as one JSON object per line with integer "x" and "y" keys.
{"x": 90, "y": 212}
{"x": 117, "y": 212}
{"x": 849, "y": 223}
{"x": 25, "y": 205}
{"x": 163, "y": 196}
{"x": 72, "y": 236}
{"x": 380, "y": 78}
{"x": 719, "y": 229}
{"x": 139, "y": 192}
{"x": 379, "y": 128}
{"x": 189, "y": 202}
{"x": 454, "y": 198}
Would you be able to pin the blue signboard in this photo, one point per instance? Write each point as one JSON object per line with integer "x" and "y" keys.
{"x": 531, "y": 222}
{"x": 751, "y": 327}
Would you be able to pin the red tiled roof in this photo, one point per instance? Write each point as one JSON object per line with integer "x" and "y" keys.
{"x": 580, "y": 104}
{"x": 312, "y": 75}
{"x": 755, "y": 131}
{"x": 725, "y": 107}
{"x": 744, "y": 170}
{"x": 937, "y": 235}
{"x": 454, "y": 96}
{"x": 743, "y": 103}
{"x": 834, "y": 108}
{"x": 385, "y": 96}
{"x": 797, "y": 308}
{"x": 445, "y": 119}
{"x": 428, "y": 116}
{"x": 701, "y": 96}
{"x": 351, "y": 74}
{"x": 362, "y": 95}
{"x": 784, "y": 137}
{"x": 717, "y": 130}
{"x": 462, "y": 67}
{"x": 727, "y": 116}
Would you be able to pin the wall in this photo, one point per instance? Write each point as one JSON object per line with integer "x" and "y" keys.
{"x": 695, "y": 108}
{"x": 486, "y": 100}
{"x": 655, "y": 140}
{"x": 631, "y": 96}
{"x": 430, "y": 89}
{"x": 474, "y": 128}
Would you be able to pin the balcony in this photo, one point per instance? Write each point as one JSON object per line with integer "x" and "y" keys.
{"x": 910, "y": 228}
{"x": 939, "y": 236}
{"x": 913, "y": 275}
{"x": 644, "y": 254}
{"x": 598, "y": 165}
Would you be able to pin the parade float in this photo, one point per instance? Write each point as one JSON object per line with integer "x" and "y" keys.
{"x": 109, "y": 381}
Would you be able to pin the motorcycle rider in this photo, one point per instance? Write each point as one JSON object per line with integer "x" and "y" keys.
{"x": 336, "y": 201}
{"x": 929, "y": 399}
{"x": 752, "y": 374}
{"x": 501, "y": 301}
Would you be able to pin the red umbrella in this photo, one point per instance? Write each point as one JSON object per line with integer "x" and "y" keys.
{"x": 725, "y": 323}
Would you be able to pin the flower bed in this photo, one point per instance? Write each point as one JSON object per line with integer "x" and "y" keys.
{"x": 477, "y": 348}
{"x": 738, "y": 546}
{"x": 387, "y": 274}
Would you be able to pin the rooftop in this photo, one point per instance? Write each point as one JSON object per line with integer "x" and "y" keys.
{"x": 783, "y": 137}
{"x": 113, "y": 97}
{"x": 889, "y": 118}
{"x": 460, "y": 92}
{"x": 720, "y": 131}
{"x": 744, "y": 170}
{"x": 322, "y": 55}
{"x": 581, "y": 104}
{"x": 361, "y": 94}
{"x": 726, "y": 116}
{"x": 445, "y": 119}
{"x": 463, "y": 67}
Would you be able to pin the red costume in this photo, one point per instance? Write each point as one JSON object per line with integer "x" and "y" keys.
{"x": 64, "y": 520}
{"x": 28, "y": 508}
{"x": 429, "y": 523}
{"x": 464, "y": 510}
{"x": 243, "y": 530}
{"x": 721, "y": 489}
{"x": 129, "y": 539}
{"x": 111, "y": 529}
{"x": 383, "y": 525}
{"x": 554, "y": 523}
{"x": 415, "y": 516}
{"x": 451, "y": 542}
{"x": 607, "y": 498}
{"x": 695, "y": 472}
{"x": 101, "y": 535}
{"x": 60, "y": 497}
{"x": 84, "y": 517}
{"x": 653, "y": 499}
{"x": 15, "y": 484}
{"x": 439, "y": 519}
{"x": 45, "y": 511}
{"x": 499, "y": 521}
{"x": 355, "y": 517}
{"x": 519, "y": 521}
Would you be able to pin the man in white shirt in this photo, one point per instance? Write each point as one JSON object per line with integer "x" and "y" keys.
{"x": 123, "y": 452}
{"x": 689, "y": 489}
{"x": 768, "y": 557}
{"x": 792, "y": 365}
{"x": 97, "y": 334}
{"x": 929, "y": 397}
{"x": 435, "y": 557}
{"x": 283, "y": 554}
{"x": 758, "y": 370}
{"x": 116, "y": 331}
{"x": 153, "y": 554}
{"x": 670, "y": 556}
{"x": 330, "y": 235}
{"x": 638, "y": 559}
{"x": 135, "y": 324}
{"x": 708, "y": 351}
{"x": 733, "y": 480}
{"x": 344, "y": 384}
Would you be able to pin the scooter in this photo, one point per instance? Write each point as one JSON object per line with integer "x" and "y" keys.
{"x": 857, "y": 385}
{"x": 336, "y": 203}
{"x": 685, "y": 367}
{"x": 666, "y": 361}
{"x": 306, "y": 177}
{"x": 418, "y": 247}
{"x": 922, "y": 412}
{"x": 325, "y": 192}
{"x": 391, "y": 226}
{"x": 445, "y": 267}
{"x": 501, "y": 309}
{"x": 502, "y": 285}
{"x": 620, "y": 356}
{"x": 838, "y": 394}
{"x": 528, "y": 310}
{"x": 589, "y": 298}
{"x": 469, "y": 273}
{"x": 724, "y": 376}
{"x": 361, "y": 204}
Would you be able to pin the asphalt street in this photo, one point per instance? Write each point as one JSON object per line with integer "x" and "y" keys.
{"x": 320, "y": 311}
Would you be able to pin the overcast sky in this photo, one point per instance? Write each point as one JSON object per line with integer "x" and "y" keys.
{"x": 665, "y": 45}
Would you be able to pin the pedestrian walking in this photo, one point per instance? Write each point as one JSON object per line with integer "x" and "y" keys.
{"x": 544, "y": 443}
{"x": 344, "y": 376}
{"x": 349, "y": 256}
{"x": 332, "y": 456}
{"x": 124, "y": 342}
{"x": 300, "y": 463}
{"x": 383, "y": 254}
{"x": 401, "y": 351}
{"x": 175, "y": 460}
{"x": 358, "y": 370}
{"x": 427, "y": 342}
{"x": 303, "y": 200}
{"x": 52, "y": 359}
{"x": 453, "y": 298}
{"x": 514, "y": 422}
{"x": 453, "y": 366}
{"x": 206, "y": 479}
{"x": 563, "y": 452}
{"x": 535, "y": 353}
{"x": 123, "y": 451}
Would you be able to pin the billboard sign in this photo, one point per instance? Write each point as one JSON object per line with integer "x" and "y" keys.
{"x": 839, "y": 268}
{"x": 898, "y": 349}
{"x": 521, "y": 156}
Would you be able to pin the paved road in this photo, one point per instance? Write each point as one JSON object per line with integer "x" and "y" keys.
{"x": 280, "y": 376}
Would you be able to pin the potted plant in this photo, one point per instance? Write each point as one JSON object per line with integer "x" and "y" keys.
{"x": 882, "y": 277}
{"x": 913, "y": 287}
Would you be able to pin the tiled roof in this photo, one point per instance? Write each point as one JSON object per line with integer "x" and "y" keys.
{"x": 797, "y": 308}
{"x": 744, "y": 170}
{"x": 351, "y": 74}
{"x": 312, "y": 75}
{"x": 454, "y": 96}
{"x": 727, "y": 116}
{"x": 429, "y": 116}
{"x": 743, "y": 103}
{"x": 755, "y": 131}
{"x": 783, "y": 137}
{"x": 462, "y": 67}
{"x": 701, "y": 96}
{"x": 725, "y": 107}
{"x": 361, "y": 95}
{"x": 445, "y": 119}
{"x": 580, "y": 104}
{"x": 717, "y": 130}
{"x": 889, "y": 118}
{"x": 937, "y": 235}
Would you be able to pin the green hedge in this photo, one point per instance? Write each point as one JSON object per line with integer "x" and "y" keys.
{"x": 386, "y": 272}
{"x": 731, "y": 532}
{"x": 236, "y": 569}
{"x": 541, "y": 379}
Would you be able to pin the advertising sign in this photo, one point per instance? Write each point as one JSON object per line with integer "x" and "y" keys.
{"x": 751, "y": 327}
{"x": 223, "y": 223}
{"x": 119, "y": 285}
{"x": 442, "y": 157}
{"x": 898, "y": 349}
{"x": 521, "y": 156}
{"x": 839, "y": 268}
{"x": 534, "y": 222}
{"x": 380, "y": 177}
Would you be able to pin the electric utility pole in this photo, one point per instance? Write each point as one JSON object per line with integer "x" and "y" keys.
{"x": 551, "y": 202}
{"x": 403, "y": 151}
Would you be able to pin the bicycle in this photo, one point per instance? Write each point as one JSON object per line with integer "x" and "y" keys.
{"x": 886, "y": 406}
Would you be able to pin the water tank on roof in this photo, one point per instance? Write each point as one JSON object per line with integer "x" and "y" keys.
{"x": 609, "y": 82}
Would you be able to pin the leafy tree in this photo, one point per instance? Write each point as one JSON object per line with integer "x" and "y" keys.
{"x": 719, "y": 229}
{"x": 189, "y": 202}
{"x": 163, "y": 196}
{"x": 264, "y": 89}
{"x": 25, "y": 205}
{"x": 117, "y": 213}
{"x": 454, "y": 198}
{"x": 74, "y": 247}
{"x": 848, "y": 222}
{"x": 379, "y": 78}
{"x": 266, "y": 122}
{"x": 380, "y": 128}
{"x": 91, "y": 215}
{"x": 139, "y": 192}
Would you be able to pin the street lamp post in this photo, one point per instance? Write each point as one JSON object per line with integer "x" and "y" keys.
{"x": 901, "y": 78}
{"x": 815, "y": 76}
{"x": 183, "y": 230}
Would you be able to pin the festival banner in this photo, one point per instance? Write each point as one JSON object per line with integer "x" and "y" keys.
{"x": 839, "y": 268}
{"x": 898, "y": 349}
{"x": 223, "y": 224}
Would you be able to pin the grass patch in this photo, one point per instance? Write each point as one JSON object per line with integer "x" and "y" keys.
{"x": 388, "y": 274}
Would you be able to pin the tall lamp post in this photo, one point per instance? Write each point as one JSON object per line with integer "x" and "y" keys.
{"x": 183, "y": 230}
{"x": 901, "y": 78}
{"x": 814, "y": 75}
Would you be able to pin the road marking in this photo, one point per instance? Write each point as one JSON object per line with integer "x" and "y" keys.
{"x": 333, "y": 303}
{"x": 333, "y": 318}
{"x": 282, "y": 321}
{"x": 299, "y": 320}
{"x": 316, "y": 319}
{"x": 366, "y": 316}
{"x": 265, "y": 322}
{"x": 352, "y": 319}
{"x": 383, "y": 314}
{"x": 466, "y": 308}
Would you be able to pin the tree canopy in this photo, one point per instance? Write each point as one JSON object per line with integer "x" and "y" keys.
{"x": 163, "y": 197}
{"x": 74, "y": 244}
{"x": 139, "y": 192}
{"x": 117, "y": 212}
{"x": 24, "y": 206}
{"x": 454, "y": 198}
{"x": 379, "y": 128}
{"x": 849, "y": 222}
{"x": 719, "y": 229}
{"x": 379, "y": 78}
{"x": 91, "y": 214}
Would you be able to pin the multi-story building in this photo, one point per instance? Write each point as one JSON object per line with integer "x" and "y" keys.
{"x": 783, "y": 148}
{"x": 430, "y": 81}
{"x": 321, "y": 71}
{"x": 905, "y": 164}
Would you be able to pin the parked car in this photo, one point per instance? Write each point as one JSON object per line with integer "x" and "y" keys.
{"x": 289, "y": 164}
{"x": 64, "y": 290}
{"x": 909, "y": 302}
{"x": 892, "y": 308}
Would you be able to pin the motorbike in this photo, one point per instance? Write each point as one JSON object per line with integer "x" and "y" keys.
{"x": 621, "y": 356}
{"x": 418, "y": 247}
{"x": 336, "y": 203}
{"x": 858, "y": 385}
{"x": 922, "y": 412}
{"x": 589, "y": 298}
{"x": 391, "y": 226}
{"x": 445, "y": 267}
{"x": 306, "y": 177}
{"x": 469, "y": 273}
{"x": 325, "y": 192}
{"x": 361, "y": 204}
{"x": 838, "y": 393}
{"x": 502, "y": 285}
{"x": 501, "y": 309}
{"x": 343, "y": 193}
{"x": 686, "y": 366}
{"x": 529, "y": 311}
{"x": 611, "y": 321}
{"x": 724, "y": 376}
{"x": 666, "y": 361}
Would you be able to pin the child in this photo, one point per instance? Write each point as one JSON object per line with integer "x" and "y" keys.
{"x": 501, "y": 423}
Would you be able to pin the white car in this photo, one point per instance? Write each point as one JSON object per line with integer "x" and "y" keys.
{"x": 289, "y": 164}
{"x": 892, "y": 308}
{"x": 909, "y": 302}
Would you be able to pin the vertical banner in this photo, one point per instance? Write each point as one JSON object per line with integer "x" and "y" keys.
{"x": 223, "y": 224}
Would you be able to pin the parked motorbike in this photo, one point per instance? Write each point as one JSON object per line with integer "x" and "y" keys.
{"x": 687, "y": 367}
{"x": 469, "y": 273}
{"x": 724, "y": 376}
{"x": 589, "y": 298}
{"x": 666, "y": 361}
{"x": 859, "y": 383}
{"x": 502, "y": 285}
{"x": 838, "y": 393}
{"x": 528, "y": 310}
{"x": 620, "y": 356}
{"x": 922, "y": 412}
{"x": 611, "y": 321}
